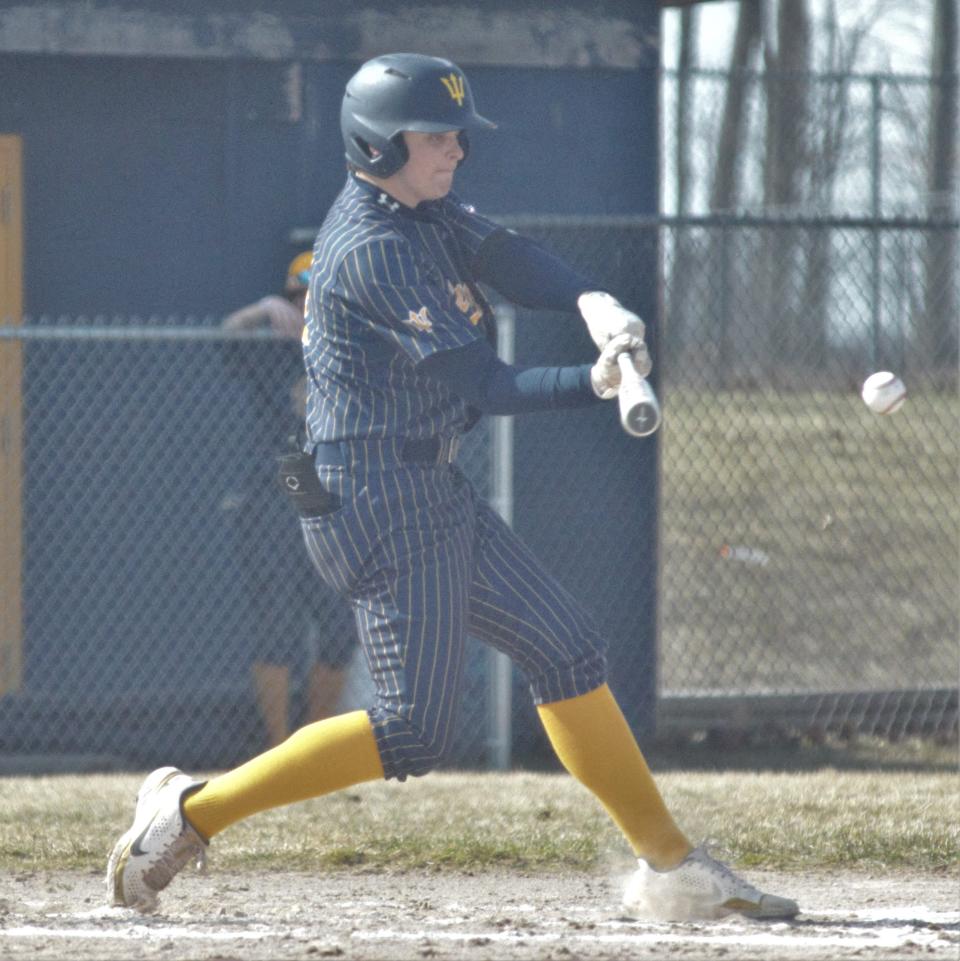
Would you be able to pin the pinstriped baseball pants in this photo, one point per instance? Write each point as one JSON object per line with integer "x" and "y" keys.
{"x": 425, "y": 562}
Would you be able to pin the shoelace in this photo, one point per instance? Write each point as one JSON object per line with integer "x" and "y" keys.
{"x": 720, "y": 867}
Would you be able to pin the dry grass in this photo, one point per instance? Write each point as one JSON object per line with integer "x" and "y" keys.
{"x": 519, "y": 820}
{"x": 856, "y": 518}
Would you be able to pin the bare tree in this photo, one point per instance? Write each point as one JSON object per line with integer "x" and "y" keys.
{"x": 724, "y": 193}
{"x": 937, "y": 323}
{"x": 725, "y": 189}
{"x": 828, "y": 145}
{"x": 787, "y": 59}
{"x": 772, "y": 306}
{"x": 686, "y": 64}
{"x": 788, "y": 65}
{"x": 678, "y": 319}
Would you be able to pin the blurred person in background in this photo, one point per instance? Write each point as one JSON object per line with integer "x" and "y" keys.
{"x": 297, "y": 628}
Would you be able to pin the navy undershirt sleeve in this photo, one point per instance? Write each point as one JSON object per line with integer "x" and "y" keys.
{"x": 485, "y": 382}
{"x": 528, "y": 274}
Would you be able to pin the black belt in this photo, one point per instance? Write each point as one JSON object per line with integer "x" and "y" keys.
{"x": 383, "y": 454}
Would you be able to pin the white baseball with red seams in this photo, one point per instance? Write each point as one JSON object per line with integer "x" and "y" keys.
{"x": 883, "y": 392}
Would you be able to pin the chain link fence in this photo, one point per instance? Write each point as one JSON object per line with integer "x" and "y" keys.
{"x": 810, "y": 549}
{"x": 808, "y": 564}
{"x": 160, "y": 561}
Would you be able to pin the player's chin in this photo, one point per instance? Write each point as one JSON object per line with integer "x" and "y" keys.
{"x": 442, "y": 185}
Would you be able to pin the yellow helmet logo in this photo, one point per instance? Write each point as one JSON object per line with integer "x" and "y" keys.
{"x": 454, "y": 85}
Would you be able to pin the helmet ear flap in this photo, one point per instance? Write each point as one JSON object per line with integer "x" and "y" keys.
{"x": 375, "y": 154}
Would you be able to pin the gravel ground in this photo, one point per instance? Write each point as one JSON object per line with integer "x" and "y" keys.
{"x": 485, "y": 915}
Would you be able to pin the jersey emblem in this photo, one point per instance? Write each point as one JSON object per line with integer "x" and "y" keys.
{"x": 454, "y": 85}
{"x": 385, "y": 200}
{"x": 466, "y": 302}
{"x": 420, "y": 320}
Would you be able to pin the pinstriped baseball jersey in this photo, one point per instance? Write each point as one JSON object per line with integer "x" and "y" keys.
{"x": 423, "y": 560}
{"x": 389, "y": 288}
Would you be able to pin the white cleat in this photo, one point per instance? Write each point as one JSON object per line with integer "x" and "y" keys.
{"x": 160, "y": 842}
{"x": 699, "y": 888}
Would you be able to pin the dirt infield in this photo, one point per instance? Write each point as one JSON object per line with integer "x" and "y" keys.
{"x": 482, "y": 916}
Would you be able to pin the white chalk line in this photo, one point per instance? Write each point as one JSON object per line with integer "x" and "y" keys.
{"x": 779, "y": 934}
{"x": 887, "y": 939}
{"x": 138, "y": 934}
{"x": 899, "y": 928}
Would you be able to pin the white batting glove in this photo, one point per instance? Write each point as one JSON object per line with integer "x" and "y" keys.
{"x": 605, "y": 373}
{"x": 606, "y": 317}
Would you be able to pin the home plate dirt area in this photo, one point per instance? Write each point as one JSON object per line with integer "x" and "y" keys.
{"x": 489, "y": 914}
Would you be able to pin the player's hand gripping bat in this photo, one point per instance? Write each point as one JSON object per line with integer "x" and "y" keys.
{"x": 609, "y": 322}
{"x": 639, "y": 408}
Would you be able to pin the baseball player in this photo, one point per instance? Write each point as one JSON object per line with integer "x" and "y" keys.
{"x": 398, "y": 354}
{"x": 295, "y": 626}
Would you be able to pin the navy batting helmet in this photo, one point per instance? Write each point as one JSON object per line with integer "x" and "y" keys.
{"x": 403, "y": 91}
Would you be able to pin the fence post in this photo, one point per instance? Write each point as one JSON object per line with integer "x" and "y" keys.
{"x": 11, "y": 416}
{"x": 876, "y": 203}
{"x": 724, "y": 348}
{"x": 500, "y": 667}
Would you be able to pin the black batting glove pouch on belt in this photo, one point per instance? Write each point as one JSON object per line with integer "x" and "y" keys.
{"x": 298, "y": 479}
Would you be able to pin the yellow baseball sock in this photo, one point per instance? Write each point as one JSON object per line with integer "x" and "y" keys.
{"x": 317, "y": 759}
{"x": 595, "y": 744}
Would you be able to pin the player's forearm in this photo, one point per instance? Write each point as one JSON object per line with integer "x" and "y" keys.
{"x": 527, "y": 274}
{"x": 515, "y": 390}
{"x": 476, "y": 374}
{"x": 251, "y": 317}
{"x": 269, "y": 313}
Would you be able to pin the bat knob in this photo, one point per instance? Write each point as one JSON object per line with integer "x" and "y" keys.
{"x": 639, "y": 407}
{"x": 642, "y": 419}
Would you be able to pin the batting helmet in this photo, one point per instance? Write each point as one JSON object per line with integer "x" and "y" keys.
{"x": 403, "y": 91}
{"x": 298, "y": 273}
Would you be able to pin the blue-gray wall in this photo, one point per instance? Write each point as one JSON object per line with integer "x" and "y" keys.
{"x": 169, "y": 186}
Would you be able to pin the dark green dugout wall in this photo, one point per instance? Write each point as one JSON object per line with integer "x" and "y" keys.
{"x": 166, "y": 186}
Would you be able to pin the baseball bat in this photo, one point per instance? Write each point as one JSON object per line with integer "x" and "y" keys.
{"x": 639, "y": 408}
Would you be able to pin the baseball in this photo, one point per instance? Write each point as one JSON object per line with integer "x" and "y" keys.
{"x": 883, "y": 392}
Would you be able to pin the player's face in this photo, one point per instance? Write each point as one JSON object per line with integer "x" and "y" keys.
{"x": 428, "y": 173}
